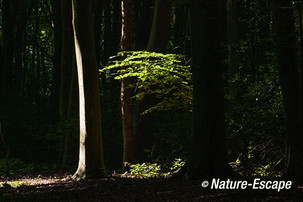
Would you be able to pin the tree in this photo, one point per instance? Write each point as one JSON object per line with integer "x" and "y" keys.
{"x": 142, "y": 19}
{"x": 291, "y": 92}
{"x": 160, "y": 30}
{"x": 126, "y": 90}
{"x": 209, "y": 152}
{"x": 91, "y": 161}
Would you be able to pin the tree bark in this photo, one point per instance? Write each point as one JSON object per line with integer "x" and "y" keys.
{"x": 143, "y": 23}
{"x": 289, "y": 78}
{"x": 160, "y": 30}
{"x": 91, "y": 161}
{"x": 209, "y": 152}
{"x": 68, "y": 87}
{"x": 126, "y": 91}
{"x": 107, "y": 32}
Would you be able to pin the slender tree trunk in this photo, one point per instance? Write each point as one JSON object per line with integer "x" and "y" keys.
{"x": 143, "y": 23}
{"x": 91, "y": 161}
{"x": 126, "y": 91}
{"x": 179, "y": 27}
{"x": 209, "y": 153}
{"x": 289, "y": 78}
{"x": 160, "y": 30}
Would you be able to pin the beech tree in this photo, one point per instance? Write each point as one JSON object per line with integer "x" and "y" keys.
{"x": 68, "y": 84}
{"x": 126, "y": 91}
{"x": 289, "y": 79}
{"x": 209, "y": 152}
{"x": 91, "y": 161}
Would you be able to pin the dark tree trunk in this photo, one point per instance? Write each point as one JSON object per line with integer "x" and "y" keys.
{"x": 289, "y": 78}
{"x": 143, "y": 23}
{"x": 126, "y": 91}
{"x": 160, "y": 30}
{"x": 209, "y": 152}
{"x": 179, "y": 27}
{"x": 91, "y": 161}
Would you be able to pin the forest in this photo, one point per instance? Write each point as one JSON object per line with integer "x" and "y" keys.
{"x": 135, "y": 100}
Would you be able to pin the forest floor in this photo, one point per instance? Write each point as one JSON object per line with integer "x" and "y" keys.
{"x": 62, "y": 188}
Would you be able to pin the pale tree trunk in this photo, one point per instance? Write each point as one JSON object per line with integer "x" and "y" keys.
{"x": 68, "y": 87}
{"x": 126, "y": 91}
{"x": 91, "y": 163}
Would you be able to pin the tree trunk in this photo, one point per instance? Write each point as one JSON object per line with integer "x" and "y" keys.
{"x": 209, "y": 152}
{"x": 143, "y": 23}
{"x": 289, "y": 78}
{"x": 126, "y": 91}
{"x": 179, "y": 27}
{"x": 91, "y": 161}
{"x": 160, "y": 30}
{"x": 68, "y": 93}
{"x": 107, "y": 32}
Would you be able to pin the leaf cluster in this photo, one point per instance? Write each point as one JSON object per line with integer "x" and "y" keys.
{"x": 164, "y": 75}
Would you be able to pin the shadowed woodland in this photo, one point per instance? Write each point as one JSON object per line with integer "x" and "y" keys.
{"x": 145, "y": 99}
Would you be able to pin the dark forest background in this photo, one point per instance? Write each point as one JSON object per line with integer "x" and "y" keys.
{"x": 262, "y": 79}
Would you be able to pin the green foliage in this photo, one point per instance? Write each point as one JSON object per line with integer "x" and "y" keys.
{"x": 147, "y": 170}
{"x": 14, "y": 184}
{"x": 163, "y": 75}
{"x": 267, "y": 170}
